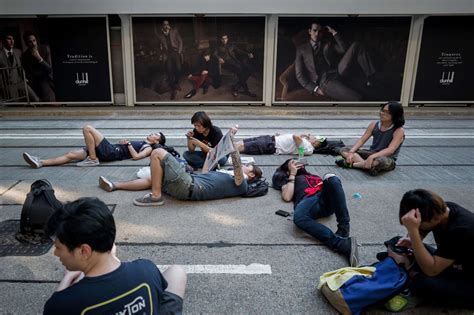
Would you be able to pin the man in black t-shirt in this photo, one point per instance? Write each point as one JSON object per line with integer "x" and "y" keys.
{"x": 447, "y": 274}
{"x": 96, "y": 281}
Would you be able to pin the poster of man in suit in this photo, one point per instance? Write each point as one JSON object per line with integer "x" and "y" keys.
{"x": 14, "y": 84}
{"x": 65, "y": 60}
{"x": 340, "y": 59}
{"x": 198, "y": 59}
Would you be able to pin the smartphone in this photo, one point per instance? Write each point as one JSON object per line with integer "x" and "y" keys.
{"x": 401, "y": 250}
{"x": 187, "y": 136}
{"x": 282, "y": 213}
{"x": 303, "y": 161}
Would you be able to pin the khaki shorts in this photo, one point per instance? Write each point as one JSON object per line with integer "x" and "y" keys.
{"x": 385, "y": 163}
{"x": 176, "y": 181}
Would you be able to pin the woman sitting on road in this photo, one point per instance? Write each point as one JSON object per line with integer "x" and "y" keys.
{"x": 315, "y": 198}
{"x": 204, "y": 136}
{"x": 388, "y": 136}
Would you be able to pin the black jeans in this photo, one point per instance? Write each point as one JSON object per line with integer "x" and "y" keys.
{"x": 450, "y": 288}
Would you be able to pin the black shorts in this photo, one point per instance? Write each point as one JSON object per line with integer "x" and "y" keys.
{"x": 260, "y": 145}
{"x": 170, "y": 303}
{"x": 106, "y": 152}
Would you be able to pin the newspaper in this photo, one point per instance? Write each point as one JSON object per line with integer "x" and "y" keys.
{"x": 223, "y": 148}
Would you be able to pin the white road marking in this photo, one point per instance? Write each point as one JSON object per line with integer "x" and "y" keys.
{"x": 240, "y": 136}
{"x": 252, "y": 269}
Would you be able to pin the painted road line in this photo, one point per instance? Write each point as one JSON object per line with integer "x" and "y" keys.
{"x": 338, "y": 135}
{"x": 252, "y": 269}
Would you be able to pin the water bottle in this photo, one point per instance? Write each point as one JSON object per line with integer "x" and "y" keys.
{"x": 357, "y": 196}
{"x": 300, "y": 152}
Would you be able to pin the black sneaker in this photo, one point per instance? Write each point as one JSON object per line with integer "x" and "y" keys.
{"x": 349, "y": 249}
{"x": 190, "y": 94}
{"x": 343, "y": 230}
{"x": 341, "y": 161}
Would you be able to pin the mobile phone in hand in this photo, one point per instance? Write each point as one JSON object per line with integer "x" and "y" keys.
{"x": 282, "y": 213}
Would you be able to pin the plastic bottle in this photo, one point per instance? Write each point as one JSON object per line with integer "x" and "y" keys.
{"x": 357, "y": 196}
{"x": 300, "y": 152}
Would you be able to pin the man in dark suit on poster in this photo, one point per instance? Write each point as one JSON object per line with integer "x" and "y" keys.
{"x": 171, "y": 49}
{"x": 11, "y": 73}
{"x": 233, "y": 58}
{"x": 324, "y": 66}
{"x": 36, "y": 61}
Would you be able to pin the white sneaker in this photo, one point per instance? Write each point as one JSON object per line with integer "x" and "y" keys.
{"x": 88, "y": 162}
{"x": 34, "y": 161}
{"x": 106, "y": 184}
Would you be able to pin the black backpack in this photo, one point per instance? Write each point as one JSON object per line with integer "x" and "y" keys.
{"x": 329, "y": 147}
{"x": 40, "y": 203}
{"x": 257, "y": 188}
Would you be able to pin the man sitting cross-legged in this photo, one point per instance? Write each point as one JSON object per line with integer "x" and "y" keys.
{"x": 169, "y": 176}
{"x": 96, "y": 281}
{"x": 98, "y": 148}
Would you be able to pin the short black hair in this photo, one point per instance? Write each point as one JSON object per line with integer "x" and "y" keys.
{"x": 162, "y": 140}
{"x": 202, "y": 118}
{"x": 4, "y": 34}
{"x": 84, "y": 221}
{"x": 313, "y": 22}
{"x": 27, "y": 34}
{"x": 429, "y": 204}
{"x": 397, "y": 113}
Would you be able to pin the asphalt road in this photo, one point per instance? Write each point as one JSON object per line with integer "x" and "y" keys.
{"x": 226, "y": 234}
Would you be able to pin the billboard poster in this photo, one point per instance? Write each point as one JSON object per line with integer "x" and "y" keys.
{"x": 198, "y": 59}
{"x": 446, "y": 60}
{"x": 64, "y": 59}
{"x": 340, "y": 59}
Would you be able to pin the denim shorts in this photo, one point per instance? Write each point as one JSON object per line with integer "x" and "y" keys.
{"x": 176, "y": 181}
{"x": 170, "y": 304}
{"x": 105, "y": 151}
{"x": 260, "y": 145}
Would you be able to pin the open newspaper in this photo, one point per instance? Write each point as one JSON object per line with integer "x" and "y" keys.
{"x": 223, "y": 148}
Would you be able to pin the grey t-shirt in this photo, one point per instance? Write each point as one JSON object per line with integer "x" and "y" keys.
{"x": 216, "y": 185}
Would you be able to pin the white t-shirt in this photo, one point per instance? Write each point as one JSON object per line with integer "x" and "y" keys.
{"x": 284, "y": 144}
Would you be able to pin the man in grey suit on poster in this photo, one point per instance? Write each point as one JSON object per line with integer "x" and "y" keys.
{"x": 10, "y": 57}
{"x": 324, "y": 66}
{"x": 171, "y": 48}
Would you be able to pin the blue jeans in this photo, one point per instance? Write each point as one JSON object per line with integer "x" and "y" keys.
{"x": 197, "y": 158}
{"x": 331, "y": 200}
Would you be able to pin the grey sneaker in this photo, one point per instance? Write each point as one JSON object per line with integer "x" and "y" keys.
{"x": 34, "y": 161}
{"x": 106, "y": 184}
{"x": 349, "y": 249}
{"x": 148, "y": 201}
{"x": 88, "y": 162}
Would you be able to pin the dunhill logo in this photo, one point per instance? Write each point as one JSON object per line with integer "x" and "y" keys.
{"x": 448, "y": 79}
{"x": 84, "y": 80}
